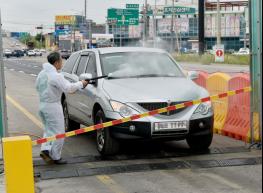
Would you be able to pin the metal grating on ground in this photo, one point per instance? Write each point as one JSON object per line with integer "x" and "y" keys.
{"x": 80, "y": 172}
{"x": 160, "y": 155}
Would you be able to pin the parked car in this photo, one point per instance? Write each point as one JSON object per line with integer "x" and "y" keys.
{"x": 38, "y": 52}
{"x": 18, "y": 53}
{"x": 43, "y": 51}
{"x": 65, "y": 54}
{"x": 31, "y": 53}
{"x": 184, "y": 50}
{"x": 7, "y": 53}
{"x": 230, "y": 51}
{"x": 242, "y": 51}
{"x": 139, "y": 80}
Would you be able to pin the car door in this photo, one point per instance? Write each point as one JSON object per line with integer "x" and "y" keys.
{"x": 75, "y": 98}
{"x": 88, "y": 94}
{"x": 67, "y": 71}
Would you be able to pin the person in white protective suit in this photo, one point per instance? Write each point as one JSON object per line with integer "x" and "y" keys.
{"x": 50, "y": 85}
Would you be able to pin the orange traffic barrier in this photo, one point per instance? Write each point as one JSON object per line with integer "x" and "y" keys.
{"x": 238, "y": 117}
{"x": 201, "y": 80}
{"x": 218, "y": 83}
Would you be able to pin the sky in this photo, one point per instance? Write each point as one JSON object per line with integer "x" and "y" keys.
{"x": 25, "y": 15}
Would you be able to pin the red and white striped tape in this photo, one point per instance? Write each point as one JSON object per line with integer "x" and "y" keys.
{"x": 139, "y": 116}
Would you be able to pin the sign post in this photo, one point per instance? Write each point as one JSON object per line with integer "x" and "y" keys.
{"x": 3, "y": 112}
{"x": 132, "y": 6}
{"x": 219, "y": 53}
{"x": 131, "y": 16}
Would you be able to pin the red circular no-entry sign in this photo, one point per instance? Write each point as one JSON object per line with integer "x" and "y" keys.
{"x": 219, "y": 53}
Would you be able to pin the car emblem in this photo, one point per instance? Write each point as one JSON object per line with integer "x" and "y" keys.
{"x": 169, "y": 103}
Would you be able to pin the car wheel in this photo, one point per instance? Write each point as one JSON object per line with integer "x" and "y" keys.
{"x": 70, "y": 125}
{"x": 201, "y": 142}
{"x": 106, "y": 145}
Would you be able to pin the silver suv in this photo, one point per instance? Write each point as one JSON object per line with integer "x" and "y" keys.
{"x": 138, "y": 80}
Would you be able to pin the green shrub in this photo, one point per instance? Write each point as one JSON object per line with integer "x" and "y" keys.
{"x": 210, "y": 59}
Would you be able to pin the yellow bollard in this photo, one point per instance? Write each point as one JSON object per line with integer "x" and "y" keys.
{"x": 18, "y": 164}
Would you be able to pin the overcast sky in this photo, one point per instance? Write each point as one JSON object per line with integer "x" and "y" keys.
{"x": 25, "y": 15}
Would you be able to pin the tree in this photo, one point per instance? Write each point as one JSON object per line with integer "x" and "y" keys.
{"x": 38, "y": 37}
{"x": 26, "y": 38}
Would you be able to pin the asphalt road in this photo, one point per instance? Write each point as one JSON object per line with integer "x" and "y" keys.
{"x": 139, "y": 168}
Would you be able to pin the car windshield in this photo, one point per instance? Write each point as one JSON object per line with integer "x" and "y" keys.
{"x": 139, "y": 64}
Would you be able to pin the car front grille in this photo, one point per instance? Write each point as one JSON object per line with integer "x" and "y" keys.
{"x": 155, "y": 106}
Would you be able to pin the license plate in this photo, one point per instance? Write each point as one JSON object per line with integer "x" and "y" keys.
{"x": 170, "y": 125}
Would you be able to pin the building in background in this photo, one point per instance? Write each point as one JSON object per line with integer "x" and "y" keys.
{"x": 234, "y": 26}
{"x": 72, "y": 32}
{"x": 50, "y": 42}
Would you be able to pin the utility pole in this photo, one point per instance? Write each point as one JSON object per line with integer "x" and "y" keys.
{"x": 89, "y": 25}
{"x": 3, "y": 111}
{"x": 201, "y": 32}
{"x": 145, "y": 9}
{"x": 172, "y": 29}
{"x": 85, "y": 10}
{"x": 218, "y": 23}
{"x": 154, "y": 24}
{"x": 41, "y": 36}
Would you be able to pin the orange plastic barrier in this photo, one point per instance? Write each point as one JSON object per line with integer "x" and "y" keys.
{"x": 218, "y": 83}
{"x": 238, "y": 117}
{"x": 201, "y": 80}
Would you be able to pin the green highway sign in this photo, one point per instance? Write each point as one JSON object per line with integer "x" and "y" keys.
{"x": 178, "y": 10}
{"x": 132, "y": 6}
{"x": 123, "y": 16}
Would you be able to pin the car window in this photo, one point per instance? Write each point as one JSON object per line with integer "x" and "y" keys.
{"x": 69, "y": 65}
{"x": 136, "y": 64}
{"x": 82, "y": 64}
{"x": 91, "y": 68}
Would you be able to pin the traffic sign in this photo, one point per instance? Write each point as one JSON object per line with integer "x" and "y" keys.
{"x": 132, "y": 6}
{"x": 123, "y": 16}
{"x": 179, "y": 10}
{"x": 219, "y": 53}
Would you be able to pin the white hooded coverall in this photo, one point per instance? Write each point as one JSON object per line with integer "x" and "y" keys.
{"x": 50, "y": 85}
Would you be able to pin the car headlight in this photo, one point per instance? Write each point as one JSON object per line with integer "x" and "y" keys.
{"x": 123, "y": 109}
{"x": 204, "y": 108}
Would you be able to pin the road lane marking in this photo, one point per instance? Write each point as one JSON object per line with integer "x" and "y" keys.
{"x": 24, "y": 111}
{"x": 110, "y": 183}
{"x": 222, "y": 180}
{"x": 33, "y": 75}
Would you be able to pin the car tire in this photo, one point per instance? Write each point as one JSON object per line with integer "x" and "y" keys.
{"x": 106, "y": 145}
{"x": 70, "y": 125}
{"x": 201, "y": 142}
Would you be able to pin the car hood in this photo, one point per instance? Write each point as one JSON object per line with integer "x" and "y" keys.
{"x": 153, "y": 89}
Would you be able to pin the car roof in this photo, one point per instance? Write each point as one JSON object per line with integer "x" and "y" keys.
{"x": 126, "y": 49}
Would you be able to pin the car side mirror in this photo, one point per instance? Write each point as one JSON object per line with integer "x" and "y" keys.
{"x": 85, "y": 76}
{"x": 193, "y": 75}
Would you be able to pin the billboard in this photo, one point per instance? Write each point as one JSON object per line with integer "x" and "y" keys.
{"x": 230, "y": 25}
{"x": 135, "y": 31}
{"x": 180, "y": 25}
{"x": 65, "y": 19}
